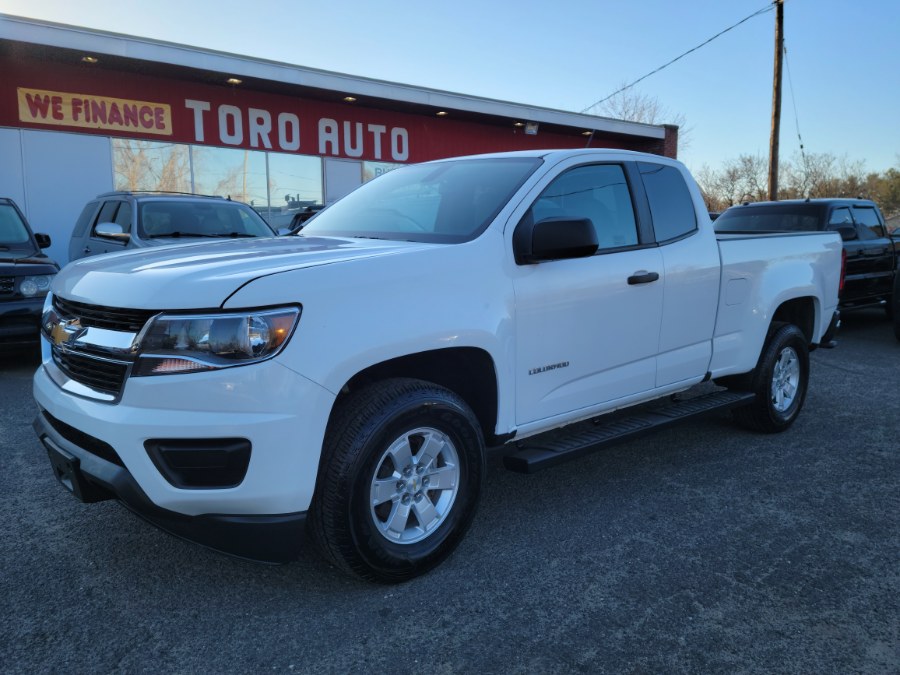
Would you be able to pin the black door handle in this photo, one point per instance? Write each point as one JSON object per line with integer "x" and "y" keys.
{"x": 642, "y": 277}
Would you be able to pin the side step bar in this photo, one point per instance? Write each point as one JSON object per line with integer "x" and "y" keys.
{"x": 558, "y": 446}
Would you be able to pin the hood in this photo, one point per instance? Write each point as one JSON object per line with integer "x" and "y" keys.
{"x": 181, "y": 240}
{"x": 203, "y": 275}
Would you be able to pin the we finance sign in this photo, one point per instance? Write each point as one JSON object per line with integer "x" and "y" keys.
{"x": 37, "y": 106}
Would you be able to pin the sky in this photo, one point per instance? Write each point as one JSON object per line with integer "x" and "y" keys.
{"x": 841, "y": 81}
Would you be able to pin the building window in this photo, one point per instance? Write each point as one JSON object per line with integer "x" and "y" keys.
{"x": 226, "y": 172}
{"x": 145, "y": 165}
{"x": 295, "y": 187}
{"x": 277, "y": 185}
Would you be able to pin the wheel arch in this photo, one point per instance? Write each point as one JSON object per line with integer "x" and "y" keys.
{"x": 801, "y": 312}
{"x": 469, "y": 372}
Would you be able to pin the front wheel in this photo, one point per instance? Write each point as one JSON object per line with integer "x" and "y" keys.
{"x": 779, "y": 381}
{"x": 399, "y": 482}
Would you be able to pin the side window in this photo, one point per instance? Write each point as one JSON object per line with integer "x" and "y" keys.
{"x": 598, "y": 192}
{"x": 107, "y": 213}
{"x": 81, "y": 225}
{"x": 123, "y": 217}
{"x": 670, "y": 201}
{"x": 870, "y": 226}
{"x": 840, "y": 216}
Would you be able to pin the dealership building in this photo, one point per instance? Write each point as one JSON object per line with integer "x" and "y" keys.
{"x": 84, "y": 112}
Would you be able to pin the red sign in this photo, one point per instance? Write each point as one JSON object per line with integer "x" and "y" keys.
{"x": 112, "y": 103}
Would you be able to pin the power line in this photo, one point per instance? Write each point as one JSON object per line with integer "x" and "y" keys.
{"x": 767, "y": 8}
{"x": 794, "y": 103}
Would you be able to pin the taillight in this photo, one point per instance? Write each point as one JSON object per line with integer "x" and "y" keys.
{"x": 843, "y": 269}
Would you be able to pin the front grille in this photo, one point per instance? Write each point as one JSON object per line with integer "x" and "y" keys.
{"x": 99, "y": 374}
{"x": 93, "y": 445}
{"x": 7, "y": 285}
{"x": 110, "y": 318}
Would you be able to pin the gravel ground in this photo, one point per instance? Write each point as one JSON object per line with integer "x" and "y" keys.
{"x": 701, "y": 549}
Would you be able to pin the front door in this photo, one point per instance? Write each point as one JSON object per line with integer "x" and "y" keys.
{"x": 588, "y": 329}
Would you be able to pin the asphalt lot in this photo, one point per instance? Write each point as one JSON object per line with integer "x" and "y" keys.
{"x": 701, "y": 549}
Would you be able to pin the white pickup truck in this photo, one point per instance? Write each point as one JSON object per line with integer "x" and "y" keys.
{"x": 346, "y": 382}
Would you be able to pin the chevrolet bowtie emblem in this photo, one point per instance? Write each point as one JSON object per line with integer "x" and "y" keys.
{"x": 65, "y": 331}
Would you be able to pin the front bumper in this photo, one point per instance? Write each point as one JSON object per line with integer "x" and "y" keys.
{"x": 104, "y": 447}
{"x": 91, "y": 478}
{"x": 20, "y": 322}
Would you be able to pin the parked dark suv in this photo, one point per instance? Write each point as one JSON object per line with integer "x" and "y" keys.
{"x": 117, "y": 221}
{"x": 871, "y": 253}
{"x": 25, "y": 276}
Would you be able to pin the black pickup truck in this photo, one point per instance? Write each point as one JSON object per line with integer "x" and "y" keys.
{"x": 871, "y": 252}
{"x": 25, "y": 276}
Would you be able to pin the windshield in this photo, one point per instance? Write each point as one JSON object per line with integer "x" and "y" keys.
{"x": 441, "y": 202}
{"x": 213, "y": 218}
{"x": 775, "y": 218}
{"x": 14, "y": 233}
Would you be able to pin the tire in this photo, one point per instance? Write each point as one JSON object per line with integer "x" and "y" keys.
{"x": 779, "y": 381}
{"x": 376, "y": 513}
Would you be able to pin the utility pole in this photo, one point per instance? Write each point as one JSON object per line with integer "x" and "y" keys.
{"x": 776, "y": 101}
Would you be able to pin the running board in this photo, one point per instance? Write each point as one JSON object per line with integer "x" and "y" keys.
{"x": 561, "y": 445}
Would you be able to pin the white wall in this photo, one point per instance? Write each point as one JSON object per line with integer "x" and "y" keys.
{"x": 342, "y": 176}
{"x": 61, "y": 173}
{"x": 12, "y": 183}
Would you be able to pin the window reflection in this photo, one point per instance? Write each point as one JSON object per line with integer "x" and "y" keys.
{"x": 278, "y": 186}
{"x": 226, "y": 172}
{"x": 295, "y": 188}
{"x": 374, "y": 169}
{"x": 145, "y": 165}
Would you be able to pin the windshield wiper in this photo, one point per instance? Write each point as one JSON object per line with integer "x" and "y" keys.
{"x": 176, "y": 235}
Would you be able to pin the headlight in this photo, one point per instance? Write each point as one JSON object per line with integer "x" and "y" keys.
{"x": 35, "y": 286}
{"x": 174, "y": 343}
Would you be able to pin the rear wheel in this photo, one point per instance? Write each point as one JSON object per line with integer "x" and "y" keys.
{"x": 779, "y": 381}
{"x": 399, "y": 480}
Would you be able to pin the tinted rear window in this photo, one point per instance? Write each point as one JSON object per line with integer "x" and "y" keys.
{"x": 787, "y": 218}
{"x": 670, "y": 201}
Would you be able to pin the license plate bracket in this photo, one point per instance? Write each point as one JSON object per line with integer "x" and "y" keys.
{"x": 67, "y": 470}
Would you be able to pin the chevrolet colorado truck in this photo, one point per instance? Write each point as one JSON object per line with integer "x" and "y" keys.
{"x": 346, "y": 382}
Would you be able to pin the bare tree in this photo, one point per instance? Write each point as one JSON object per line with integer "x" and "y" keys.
{"x": 739, "y": 180}
{"x": 809, "y": 175}
{"x": 144, "y": 165}
{"x": 633, "y": 106}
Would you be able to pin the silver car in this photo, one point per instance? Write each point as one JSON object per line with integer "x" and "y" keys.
{"x": 117, "y": 221}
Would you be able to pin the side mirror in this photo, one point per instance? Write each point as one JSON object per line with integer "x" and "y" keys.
{"x": 557, "y": 238}
{"x": 112, "y": 231}
{"x": 43, "y": 240}
{"x": 847, "y": 232}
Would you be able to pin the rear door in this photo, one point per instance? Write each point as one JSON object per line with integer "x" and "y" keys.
{"x": 877, "y": 249}
{"x": 692, "y": 272}
{"x": 868, "y": 256}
